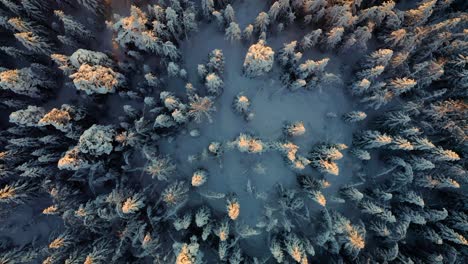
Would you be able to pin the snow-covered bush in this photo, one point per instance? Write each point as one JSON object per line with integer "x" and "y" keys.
{"x": 133, "y": 30}
{"x": 97, "y": 79}
{"x": 295, "y": 129}
{"x": 215, "y": 62}
{"x": 23, "y": 81}
{"x": 242, "y": 106}
{"x": 241, "y": 103}
{"x": 97, "y": 140}
{"x": 199, "y": 177}
{"x": 214, "y": 83}
{"x": 58, "y": 118}
{"x": 173, "y": 69}
{"x": 246, "y": 143}
{"x": 233, "y": 32}
{"x": 27, "y": 117}
{"x": 72, "y": 160}
{"x": 83, "y": 56}
{"x": 215, "y": 148}
{"x": 258, "y": 60}
{"x": 233, "y": 208}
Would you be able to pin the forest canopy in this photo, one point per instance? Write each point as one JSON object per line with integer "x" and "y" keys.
{"x": 233, "y": 131}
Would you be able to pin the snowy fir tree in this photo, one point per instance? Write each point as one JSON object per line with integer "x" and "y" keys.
{"x": 259, "y": 59}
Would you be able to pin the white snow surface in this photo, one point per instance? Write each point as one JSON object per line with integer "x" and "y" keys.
{"x": 273, "y": 105}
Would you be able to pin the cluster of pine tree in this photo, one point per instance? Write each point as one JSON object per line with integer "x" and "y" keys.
{"x": 62, "y": 157}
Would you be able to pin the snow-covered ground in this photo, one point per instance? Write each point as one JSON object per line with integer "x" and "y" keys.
{"x": 273, "y": 105}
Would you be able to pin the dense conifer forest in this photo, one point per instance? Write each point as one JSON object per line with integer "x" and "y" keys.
{"x": 233, "y": 131}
